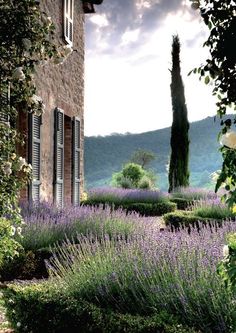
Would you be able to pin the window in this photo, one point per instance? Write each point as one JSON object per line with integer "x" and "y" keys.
{"x": 35, "y": 155}
{"x": 76, "y": 161}
{"x": 68, "y": 21}
{"x": 59, "y": 157}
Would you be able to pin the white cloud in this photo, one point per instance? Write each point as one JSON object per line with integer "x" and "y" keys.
{"x": 130, "y": 36}
{"x": 100, "y": 20}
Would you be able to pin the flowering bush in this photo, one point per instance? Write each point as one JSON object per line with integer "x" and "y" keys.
{"x": 8, "y": 246}
{"x": 175, "y": 272}
{"x": 227, "y": 267}
{"x": 27, "y": 44}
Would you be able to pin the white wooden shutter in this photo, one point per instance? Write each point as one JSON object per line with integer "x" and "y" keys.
{"x": 68, "y": 20}
{"x": 76, "y": 162}
{"x": 59, "y": 158}
{"x": 35, "y": 155}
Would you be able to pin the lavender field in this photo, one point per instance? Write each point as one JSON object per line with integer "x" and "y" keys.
{"x": 132, "y": 265}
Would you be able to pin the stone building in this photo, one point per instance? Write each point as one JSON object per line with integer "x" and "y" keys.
{"x": 55, "y": 140}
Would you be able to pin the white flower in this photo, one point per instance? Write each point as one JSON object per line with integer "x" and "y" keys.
{"x": 18, "y": 74}
{"x": 13, "y": 156}
{"x": 35, "y": 99}
{"x": 67, "y": 50}
{"x": 26, "y": 43}
{"x": 195, "y": 4}
{"x": 225, "y": 250}
{"x": 47, "y": 20}
{"x": 18, "y": 324}
{"x": 19, "y": 230}
{"x": 13, "y": 230}
{"x": 22, "y": 162}
{"x": 229, "y": 139}
{"x": 7, "y": 168}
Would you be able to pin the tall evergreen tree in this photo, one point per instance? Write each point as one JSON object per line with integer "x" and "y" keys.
{"x": 178, "y": 168}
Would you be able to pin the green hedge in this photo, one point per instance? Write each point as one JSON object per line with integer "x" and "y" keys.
{"x": 38, "y": 308}
{"x": 182, "y": 219}
{"x": 26, "y": 266}
{"x": 182, "y": 203}
{"x": 176, "y": 220}
{"x": 144, "y": 209}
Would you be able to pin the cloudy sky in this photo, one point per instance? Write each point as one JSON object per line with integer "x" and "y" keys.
{"x": 128, "y": 57}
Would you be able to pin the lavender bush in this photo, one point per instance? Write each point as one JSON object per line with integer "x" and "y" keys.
{"x": 175, "y": 272}
{"x": 191, "y": 194}
{"x": 212, "y": 208}
{"x": 117, "y": 195}
{"x": 47, "y": 224}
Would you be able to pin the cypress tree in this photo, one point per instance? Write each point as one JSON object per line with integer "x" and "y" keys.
{"x": 178, "y": 168}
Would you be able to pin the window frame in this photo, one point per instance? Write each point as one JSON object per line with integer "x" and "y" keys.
{"x": 68, "y": 29}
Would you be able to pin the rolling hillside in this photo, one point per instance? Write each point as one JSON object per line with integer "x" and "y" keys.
{"x": 105, "y": 155}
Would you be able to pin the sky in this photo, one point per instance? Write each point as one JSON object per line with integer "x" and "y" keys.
{"x": 128, "y": 62}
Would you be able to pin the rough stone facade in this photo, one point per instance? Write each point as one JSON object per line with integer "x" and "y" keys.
{"x": 62, "y": 86}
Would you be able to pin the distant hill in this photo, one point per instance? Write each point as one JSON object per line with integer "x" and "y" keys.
{"x": 106, "y": 155}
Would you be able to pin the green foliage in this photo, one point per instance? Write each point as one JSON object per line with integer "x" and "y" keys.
{"x": 227, "y": 267}
{"x": 179, "y": 159}
{"x": 214, "y": 212}
{"x": 49, "y": 310}
{"x": 133, "y": 176}
{"x": 182, "y": 203}
{"x": 220, "y": 71}
{"x": 182, "y": 219}
{"x": 8, "y": 246}
{"x": 26, "y": 265}
{"x": 147, "y": 209}
{"x": 143, "y": 157}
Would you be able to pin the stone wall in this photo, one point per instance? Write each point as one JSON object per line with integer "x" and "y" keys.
{"x": 61, "y": 86}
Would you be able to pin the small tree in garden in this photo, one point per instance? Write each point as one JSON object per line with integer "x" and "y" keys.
{"x": 143, "y": 157}
{"x": 133, "y": 175}
{"x": 220, "y": 71}
{"x": 178, "y": 167}
{"x": 26, "y": 41}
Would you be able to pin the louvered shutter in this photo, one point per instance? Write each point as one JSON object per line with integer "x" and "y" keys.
{"x": 35, "y": 155}
{"x": 59, "y": 158}
{"x": 68, "y": 20}
{"x": 76, "y": 161}
{"x": 4, "y": 104}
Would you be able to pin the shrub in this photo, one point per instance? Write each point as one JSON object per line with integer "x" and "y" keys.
{"x": 115, "y": 195}
{"x": 147, "y": 209}
{"x": 182, "y": 203}
{"x": 133, "y": 176}
{"x": 52, "y": 311}
{"x": 171, "y": 271}
{"x": 47, "y": 224}
{"x": 179, "y": 219}
{"x": 8, "y": 246}
{"x": 191, "y": 194}
{"x": 214, "y": 209}
{"x": 26, "y": 266}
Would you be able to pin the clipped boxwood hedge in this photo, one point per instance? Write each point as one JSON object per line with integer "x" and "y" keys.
{"x": 182, "y": 219}
{"x": 144, "y": 209}
{"x": 182, "y": 203}
{"x": 178, "y": 219}
{"x": 26, "y": 266}
{"x": 38, "y": 308}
